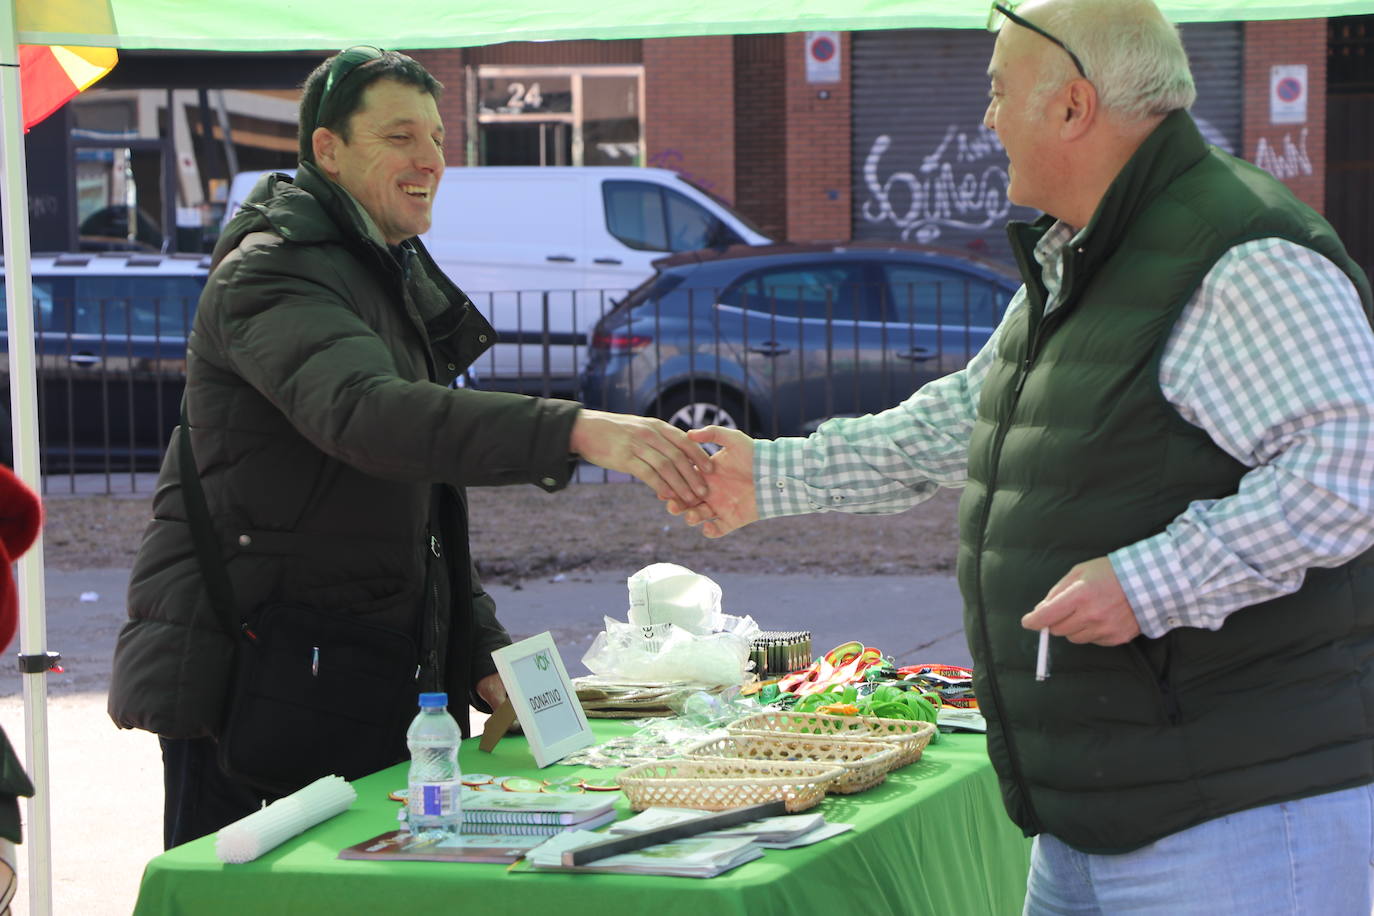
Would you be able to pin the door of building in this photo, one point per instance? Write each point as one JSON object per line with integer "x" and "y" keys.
{"x": 526, "y": 143}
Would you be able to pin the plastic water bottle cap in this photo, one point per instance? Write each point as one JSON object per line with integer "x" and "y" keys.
{"x": 432, "y": 700}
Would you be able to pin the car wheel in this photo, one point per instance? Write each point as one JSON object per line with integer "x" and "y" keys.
{"x": 704, "y": 406}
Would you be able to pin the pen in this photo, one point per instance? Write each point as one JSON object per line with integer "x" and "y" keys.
{"x": 1042, "y": 656}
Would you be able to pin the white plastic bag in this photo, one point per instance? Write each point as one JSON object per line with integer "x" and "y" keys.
{"x": 667, "y": 653}
{"x": 676, "y": 633}
{"x": 668, "y": 593}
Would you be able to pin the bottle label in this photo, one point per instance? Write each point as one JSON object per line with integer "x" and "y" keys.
{"x": 434, "y": 799}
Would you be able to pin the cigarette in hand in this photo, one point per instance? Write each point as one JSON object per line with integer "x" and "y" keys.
{"x": 1042, "y": 656}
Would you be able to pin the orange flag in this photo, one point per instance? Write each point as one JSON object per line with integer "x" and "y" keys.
{"x": 49, "y": 75}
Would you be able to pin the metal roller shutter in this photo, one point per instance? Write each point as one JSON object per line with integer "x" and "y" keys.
{"x": 924, "y": 167}
{"x": 1216, "y": 56}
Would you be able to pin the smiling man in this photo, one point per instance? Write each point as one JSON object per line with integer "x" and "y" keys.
{"x": 332, "y": 451}
{"x": 389, "y": 157}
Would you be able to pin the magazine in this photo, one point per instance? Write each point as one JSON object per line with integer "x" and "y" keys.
{"x": 782, "y": 829}
{"x": 691, "y": 857}
{"x": 400, "y": 845}
{"x": 823, "y": 832}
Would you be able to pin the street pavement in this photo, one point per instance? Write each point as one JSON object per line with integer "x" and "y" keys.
{"x": 106, "y": 788}
{"x": 914, "y": 619}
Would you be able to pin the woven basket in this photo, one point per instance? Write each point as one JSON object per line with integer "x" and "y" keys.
{"x": 865, "y": 763}
{"x": 910, "y": 737}
{"x": 718, "y": 784}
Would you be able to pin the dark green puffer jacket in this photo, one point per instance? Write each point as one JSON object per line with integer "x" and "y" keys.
{"x": 331, "y": 449}
{"x": 1076, "y": 453}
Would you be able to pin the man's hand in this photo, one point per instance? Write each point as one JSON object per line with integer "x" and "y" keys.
{"x": 491, "y": 690}
{"x": 655, "y": 452}
{"x": 1087, "y": 606}
{"x": 731, "y": 503}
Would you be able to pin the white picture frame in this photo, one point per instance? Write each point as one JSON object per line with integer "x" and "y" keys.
{"x": 544, "y": 698}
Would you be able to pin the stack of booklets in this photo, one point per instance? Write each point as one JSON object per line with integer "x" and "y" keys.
{"x": 784, "y": 832}
{"x": 497, "y": 827}
{"x": 690, "y": 857}
{"x": 668, "y": 846}
{"x": 535, "y": 813}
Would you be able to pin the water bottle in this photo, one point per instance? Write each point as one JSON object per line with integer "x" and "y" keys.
{"x": 433, "y": 804}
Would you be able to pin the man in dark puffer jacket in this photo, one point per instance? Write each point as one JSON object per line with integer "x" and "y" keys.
{"x": 331, "y": 447}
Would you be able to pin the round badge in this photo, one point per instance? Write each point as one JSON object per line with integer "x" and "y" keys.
{"x": 522, "y": 784}
{"x": 563, "y": 790}
{"x": 477, "y": 779}
{"x": 398, "y": 794}
{"x": 564, "y": 781}
{"x": 604, "y": 782}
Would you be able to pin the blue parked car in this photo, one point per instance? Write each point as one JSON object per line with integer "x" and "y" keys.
{"x": 776, "y": 339}
{"x": 110, "y": 348}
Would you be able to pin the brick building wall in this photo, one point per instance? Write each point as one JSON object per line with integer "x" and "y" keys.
{"x": 760, "y": 134}
{"x": 446, "y": 65}
{"x": 818, "y": 146}
{"x": 1295, "y": 153}
{"x": 689, "y": 109}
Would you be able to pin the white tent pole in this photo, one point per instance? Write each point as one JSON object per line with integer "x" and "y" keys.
{"x": 33, "y": 634}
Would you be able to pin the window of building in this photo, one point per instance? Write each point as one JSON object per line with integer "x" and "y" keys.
{"x": 558, "y": 115}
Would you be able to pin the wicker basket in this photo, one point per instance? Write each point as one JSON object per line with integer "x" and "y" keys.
{"x": 865, "y": 763}
{"x": 910, "y": 737}
{"x": 718, "y": 784}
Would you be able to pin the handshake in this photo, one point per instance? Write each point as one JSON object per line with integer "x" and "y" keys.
{"x": 714, "y": 491}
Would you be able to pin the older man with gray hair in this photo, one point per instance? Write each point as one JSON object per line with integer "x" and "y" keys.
{"x": 1167, "y": 450}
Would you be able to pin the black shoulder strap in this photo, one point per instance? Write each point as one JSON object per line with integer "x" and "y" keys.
{"x": 212, "y": 568}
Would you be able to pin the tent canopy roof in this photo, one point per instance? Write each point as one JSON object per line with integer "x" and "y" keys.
{"x": 284, "y": 25}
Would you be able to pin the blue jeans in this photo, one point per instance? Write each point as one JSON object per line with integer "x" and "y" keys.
{"x": 1311, "y": 856}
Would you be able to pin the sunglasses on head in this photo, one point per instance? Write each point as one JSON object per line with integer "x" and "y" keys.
{"x": 1002, "y": 12}
{"x": 345, "y": 62}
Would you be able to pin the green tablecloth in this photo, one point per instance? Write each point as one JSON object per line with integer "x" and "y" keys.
{"x": 933, "y": 839}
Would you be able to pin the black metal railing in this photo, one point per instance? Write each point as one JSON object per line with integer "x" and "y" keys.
{"x": 108, "y": 375}
{"x": 783, "y": 361}
{"x": 775, "y": 361}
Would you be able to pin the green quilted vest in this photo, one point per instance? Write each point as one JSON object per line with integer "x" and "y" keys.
{"x": 1076, "y": 453}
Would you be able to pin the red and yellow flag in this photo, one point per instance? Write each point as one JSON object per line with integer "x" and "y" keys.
{"x": 49, "y": 75}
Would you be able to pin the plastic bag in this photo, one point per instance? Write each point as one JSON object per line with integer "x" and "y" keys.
{"x": 663, "y": 593}
{"x": 664, "y": 652}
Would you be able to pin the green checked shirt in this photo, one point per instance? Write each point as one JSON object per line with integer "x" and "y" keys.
{"x": 1273, "y": 357}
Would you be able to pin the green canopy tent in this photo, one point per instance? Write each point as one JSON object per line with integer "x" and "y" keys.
{"x": 281, "y": 25}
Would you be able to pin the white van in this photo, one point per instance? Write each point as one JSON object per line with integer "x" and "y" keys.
{"x": 545, "y": 251}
